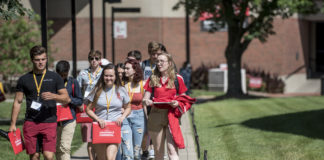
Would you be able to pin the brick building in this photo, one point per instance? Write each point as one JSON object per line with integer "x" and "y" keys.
{"x": 294, "y": 52}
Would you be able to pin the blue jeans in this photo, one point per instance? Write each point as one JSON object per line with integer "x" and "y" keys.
{"x": 132, "y": 134}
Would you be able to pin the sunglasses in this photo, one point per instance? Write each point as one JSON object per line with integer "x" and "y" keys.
{"x": 92, "y": 58}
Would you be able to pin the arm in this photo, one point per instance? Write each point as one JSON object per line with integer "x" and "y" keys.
{"x": 15, "y": 110}
{"x": 61, "y": 97}
{"x": 91, "y": 114}
{"x": 146, "y": 99}
{"x": 145, "y": 111}
{"x": 127, "y": 111}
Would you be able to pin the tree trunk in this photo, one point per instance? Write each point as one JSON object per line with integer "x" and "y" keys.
{"x": 233, "y": 56}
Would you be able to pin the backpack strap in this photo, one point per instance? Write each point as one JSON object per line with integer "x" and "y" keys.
{"x": 71, "y": 79}
{"x": 152, "y": 94}
{"x": 73, "y": 89}
{"x": 176, "y": 83}
{"x": 144, "y": 64}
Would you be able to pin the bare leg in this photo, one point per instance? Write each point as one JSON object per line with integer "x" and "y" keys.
{"x": 111, "y": 151}
{"x": 158, "y": 139}
{"x": 172, "y": 148}
{"x": 35, "y": 156}
{"x": 48, "y": 155}
{"x": 100, "y": 151}
{"x": 91, "y": 152}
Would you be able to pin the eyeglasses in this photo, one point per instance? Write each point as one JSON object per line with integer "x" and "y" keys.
{"x": 157, "y": 62}
{"x": 93, "y": 58}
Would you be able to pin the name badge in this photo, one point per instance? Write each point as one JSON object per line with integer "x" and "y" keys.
{"x": 86, "y": 93}
{"x": 36, "y": 105}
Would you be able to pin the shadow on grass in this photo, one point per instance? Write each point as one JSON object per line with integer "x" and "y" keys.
{"x": 225, "y": 97}
{"x": 309, "y": 124}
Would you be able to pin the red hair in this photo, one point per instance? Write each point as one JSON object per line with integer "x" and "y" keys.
{"x": 138, "y": 75}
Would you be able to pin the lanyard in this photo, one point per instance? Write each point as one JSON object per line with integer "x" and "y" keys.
{"x": 142, "y": 88}
{"x": 151, "y": 68}
{"x": 90, "y": 80}
{"x": 131, "y": 93}
{"x": 65, "y": 84}
{"x": 40, "y": 83}
{"x": 108, "y": 101}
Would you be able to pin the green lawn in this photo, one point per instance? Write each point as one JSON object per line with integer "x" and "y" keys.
{"x": 199, "y": 93}
{"x": 6, "y": 151}
{"x": 262, "y": 129}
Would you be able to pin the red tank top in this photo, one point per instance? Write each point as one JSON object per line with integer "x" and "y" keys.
{"x": 136, "y": 102}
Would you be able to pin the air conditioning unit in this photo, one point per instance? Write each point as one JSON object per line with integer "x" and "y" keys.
{"x": 217, "y": 80}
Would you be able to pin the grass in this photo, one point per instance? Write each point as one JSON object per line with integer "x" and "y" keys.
{"x": 199, "y": 93}
{"x": 6, "y": 151}
{"x": 262, "y": 129}
{"x": 5, "y": 110}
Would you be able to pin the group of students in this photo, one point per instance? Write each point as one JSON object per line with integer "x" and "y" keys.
{"x": 141, "y": 97}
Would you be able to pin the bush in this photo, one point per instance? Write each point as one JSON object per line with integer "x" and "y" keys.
{"x": 17, "y": 38}
{"x": 199, "y": 77}
{"x": 271, "y": 83}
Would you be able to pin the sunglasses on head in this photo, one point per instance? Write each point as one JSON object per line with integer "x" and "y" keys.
{"x": 94, "y": 58}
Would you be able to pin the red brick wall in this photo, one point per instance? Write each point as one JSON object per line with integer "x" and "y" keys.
{"x": 277, "y": 55}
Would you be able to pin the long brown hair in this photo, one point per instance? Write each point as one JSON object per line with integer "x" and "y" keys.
{"x": 155, "y": 77}
{"x": 101, "y": 83}
{"x": 138, "y": 75}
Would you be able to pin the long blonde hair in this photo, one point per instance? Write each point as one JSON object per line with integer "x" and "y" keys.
{"x": 155, "y": 77}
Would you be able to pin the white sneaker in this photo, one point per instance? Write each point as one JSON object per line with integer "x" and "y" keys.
{"x": 151, "y": 154}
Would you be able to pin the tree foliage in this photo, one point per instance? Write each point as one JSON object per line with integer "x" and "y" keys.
{"x": 13, "y": 9}
{"x": 243, "y": 27}
{"x": 17, "y": 38}
{"x": 260, "y": 17}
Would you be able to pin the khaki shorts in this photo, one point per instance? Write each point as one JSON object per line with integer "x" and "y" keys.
{"x": 157, "y": 120}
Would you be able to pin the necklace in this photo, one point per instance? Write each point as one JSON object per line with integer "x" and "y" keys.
{"x": 164, "y": 79}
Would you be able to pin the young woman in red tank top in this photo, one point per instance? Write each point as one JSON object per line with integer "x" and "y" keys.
{"x": 133, "y": 128}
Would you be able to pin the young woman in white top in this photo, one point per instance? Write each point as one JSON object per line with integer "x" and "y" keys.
{"x": 110, "y": 101}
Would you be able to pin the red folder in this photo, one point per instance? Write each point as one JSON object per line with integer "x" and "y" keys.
{"x": 82, "y": 117}
{"x": 63, "y": 112}
{"x": 109, "y": 134}
{"x": 16, "y": 141}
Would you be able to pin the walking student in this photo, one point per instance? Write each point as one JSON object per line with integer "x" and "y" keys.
{"x": 108, "y": 98}
{"x": 87, "y": 80}
{"x": 148, "y": 67}
{"x": 65, "y": 129}
{"x": 133, "y": 128}
{"x": 162, "y": 85}
{"x": 42, "y": 89}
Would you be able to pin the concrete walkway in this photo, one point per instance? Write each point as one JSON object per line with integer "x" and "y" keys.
{"x": 189, "y": 153}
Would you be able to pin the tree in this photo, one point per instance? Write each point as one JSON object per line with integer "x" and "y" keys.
{"x": 17, "y": 38}
{"x": 13, "y": 9}
{"x": 259, "y": 25}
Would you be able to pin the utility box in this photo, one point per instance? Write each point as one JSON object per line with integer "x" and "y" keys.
{"x": 218, "y": 80}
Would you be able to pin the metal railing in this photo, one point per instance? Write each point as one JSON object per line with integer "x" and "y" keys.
{"x": 196, "y": 134}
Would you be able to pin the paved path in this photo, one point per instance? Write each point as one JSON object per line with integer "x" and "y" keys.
{"x": 189, "y": 153}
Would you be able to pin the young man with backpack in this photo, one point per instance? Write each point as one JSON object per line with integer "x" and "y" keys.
{"x": 65, "y": 128}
